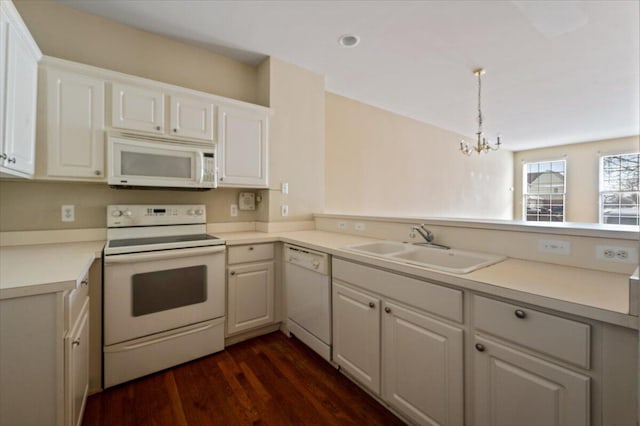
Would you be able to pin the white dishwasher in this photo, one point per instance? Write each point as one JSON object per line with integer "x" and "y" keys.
{"x": 308, "y": 290}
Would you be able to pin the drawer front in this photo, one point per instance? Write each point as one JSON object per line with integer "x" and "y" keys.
{"x": 74, "y": 301}
{"x": 432, "y": 298}
{"x": 250, "y": 253}
{"x": 561, "y": 338}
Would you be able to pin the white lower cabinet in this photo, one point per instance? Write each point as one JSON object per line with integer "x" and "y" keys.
{"x": 513, "y": 388}
{"x": 356, "y": 335}
{"x": 76, "y": 348}
{"x": 250, "y": 287}
{"x": 409, "y": 358}
{"x": 422, "y": 366}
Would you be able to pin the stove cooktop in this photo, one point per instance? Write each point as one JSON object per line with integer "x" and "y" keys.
{"x": 146, "y": 244}
{"x": 161, "y": 240}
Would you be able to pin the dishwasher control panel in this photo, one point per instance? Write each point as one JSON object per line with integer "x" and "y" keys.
{"x": 308, "y": 259}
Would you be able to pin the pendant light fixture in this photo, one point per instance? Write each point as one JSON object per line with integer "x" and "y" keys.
{"x": 481, "y": 145}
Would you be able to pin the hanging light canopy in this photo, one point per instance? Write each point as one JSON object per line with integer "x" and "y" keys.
{"x": 481, "y": 145}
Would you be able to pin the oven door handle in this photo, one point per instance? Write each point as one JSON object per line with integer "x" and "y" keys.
{"x": 162, "y": 255}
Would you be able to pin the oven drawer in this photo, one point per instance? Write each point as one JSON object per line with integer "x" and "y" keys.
{"x": 558, "y": 337}
{"x": 250, "y": 253}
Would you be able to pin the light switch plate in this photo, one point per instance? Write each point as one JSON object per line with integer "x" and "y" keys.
{"x": 234, "y": 210}
{"x": 554, "y": 247}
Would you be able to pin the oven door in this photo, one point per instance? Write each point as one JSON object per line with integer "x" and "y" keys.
{"x": 151, "y": 292}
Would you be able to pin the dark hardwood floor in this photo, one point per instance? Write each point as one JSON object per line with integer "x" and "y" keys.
{"x": 269, "y": 380}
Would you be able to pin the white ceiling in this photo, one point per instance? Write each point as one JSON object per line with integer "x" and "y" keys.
{"x": 557, "y": 71}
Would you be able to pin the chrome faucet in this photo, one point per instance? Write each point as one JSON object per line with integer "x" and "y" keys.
{"x": 428, "y": 237}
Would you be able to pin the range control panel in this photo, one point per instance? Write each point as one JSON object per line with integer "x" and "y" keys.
{"x": 151, "y": 215}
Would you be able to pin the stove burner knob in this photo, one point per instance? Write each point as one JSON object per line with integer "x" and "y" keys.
{"x": 198, "y": 212}
{"x": 128, "y": 213}
{"x": 190, "y": 212}
{"x": 116, "y": 213}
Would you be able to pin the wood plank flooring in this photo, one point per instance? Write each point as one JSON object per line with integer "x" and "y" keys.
{"x": 269, "y": 380}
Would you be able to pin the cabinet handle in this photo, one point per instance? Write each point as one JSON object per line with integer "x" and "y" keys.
{"x": 75, "y": 342}
{"x": 12, "y": 160}
{"x": 97, "y": 173}
{"x": 3, "y": 156}
{"x": 232, "y": 273}
{"x": 158, "y": 127}
{"x": 520, "y": 313}
{"x": 84, "y": 282}
{"x": 480, "y": 347}
{"x": 387, "y": 310}
{"x": 372, "y": 305}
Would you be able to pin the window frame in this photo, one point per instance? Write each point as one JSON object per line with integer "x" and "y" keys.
{"x": 602, "y": 192}
{"x": 526, "y": 193}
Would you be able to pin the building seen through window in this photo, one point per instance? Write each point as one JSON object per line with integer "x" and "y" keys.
{"x": 544, "y": 191}
{"x": 619, "y": 189}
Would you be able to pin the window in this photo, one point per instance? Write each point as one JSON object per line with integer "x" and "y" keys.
{"x": 619, "y": 186}
{"x": 544, "y": 191}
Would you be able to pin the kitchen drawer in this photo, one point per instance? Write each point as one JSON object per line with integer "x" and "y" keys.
{"x": 74, "y": 301}
{"x": 561, "y": 338}
{"x": 250, "y": 253}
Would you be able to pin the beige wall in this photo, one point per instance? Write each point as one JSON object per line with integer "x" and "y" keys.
{"x": 296, "y": 151}
{"x": 70, "y": 34}
{"x": 581, "y": 174}
{"x": 28, "y": 205}
{"x": 380, "y": 163}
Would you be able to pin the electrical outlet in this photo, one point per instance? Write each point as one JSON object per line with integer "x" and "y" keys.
{"x": 617, "y": 254}
{"x": 284, "y": 187}
{"x": 342, "y": 225}
{"x": 284, "y": 210}
{"x": 234, "y": 210}
{"x": 554, "y": 247}
{"x": 359, "y": 226}
{"x": 68, "y": 213}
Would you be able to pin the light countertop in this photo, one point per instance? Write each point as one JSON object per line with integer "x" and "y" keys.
{"x": 45, "y": 268}
{"x": 598, "y": 295}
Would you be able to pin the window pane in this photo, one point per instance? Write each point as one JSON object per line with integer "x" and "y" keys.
{"x": 544, "y": 191}
{"x": 620, "y": 177}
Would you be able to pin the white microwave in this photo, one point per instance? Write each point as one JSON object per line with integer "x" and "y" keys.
{"x": 160, "y": 163}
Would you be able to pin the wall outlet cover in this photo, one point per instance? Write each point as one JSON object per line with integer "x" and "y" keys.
{"x": 342, "y": 225}
{"x": 234, "y": 210}
{"x": 284, "y": 210}
{"x": 617, "y": 254}
{"x": 359, "y": 226}
{"x": 68, "y": 213}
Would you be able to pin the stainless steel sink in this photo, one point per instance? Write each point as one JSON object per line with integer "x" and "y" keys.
{"x": 454, "y": 261}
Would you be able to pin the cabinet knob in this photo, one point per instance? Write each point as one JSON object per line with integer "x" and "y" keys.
{"x": 158, "y": 127}
{"x": 221, "y": 179}
{"x": 250, "y": 248}
{"x": 232, "y": 273}
{"x": 175, "y": 130}
{"x": 520, "y": 313}
{"x": 97, "y": 173}
{"x": 84, "y": 283}
{"x": 480, "y": 347}
{"x": 372, "y": 305}
{"x": 3, "y": 156}
{"x": 75, "y": 342}
{"x": 387, "y": 309}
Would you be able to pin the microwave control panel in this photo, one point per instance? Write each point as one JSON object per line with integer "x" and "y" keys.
{"x": 209, "y": 169}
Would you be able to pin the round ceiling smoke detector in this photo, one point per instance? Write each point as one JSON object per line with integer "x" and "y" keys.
{"x": 349, "y": 40}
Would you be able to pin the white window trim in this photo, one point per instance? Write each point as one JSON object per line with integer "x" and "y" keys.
{"x": 525, "y": 187}
{"x": 600, "y": 183}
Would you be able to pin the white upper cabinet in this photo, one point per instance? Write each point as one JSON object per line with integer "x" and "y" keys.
{"x": 19, "y": 56}
{"x": 242, "y": 147}
{"x": 191, "y": 117}
{"x": 136, "y": 108}
{"x": 73, "y": 138}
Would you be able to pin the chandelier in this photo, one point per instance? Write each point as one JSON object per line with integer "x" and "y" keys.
{"x": 481, "y": 145}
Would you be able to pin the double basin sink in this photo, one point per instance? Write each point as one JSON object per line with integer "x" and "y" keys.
{"x": 446, "y": 260}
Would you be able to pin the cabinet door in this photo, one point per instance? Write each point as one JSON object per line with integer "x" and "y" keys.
{"x": 191, "y": 118}
{"x": 251, "y": 292}
{"x": 18, "y": 151}
{"x": 242, "y": 145}
{"x": 75, "y": 125}
{"x": 77, "y": 368}
{"x": 422, "y": 367}
{"x": 513, "y": 388}
{"x": 356, "y": 335}
{"x": 135, "y": 108}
